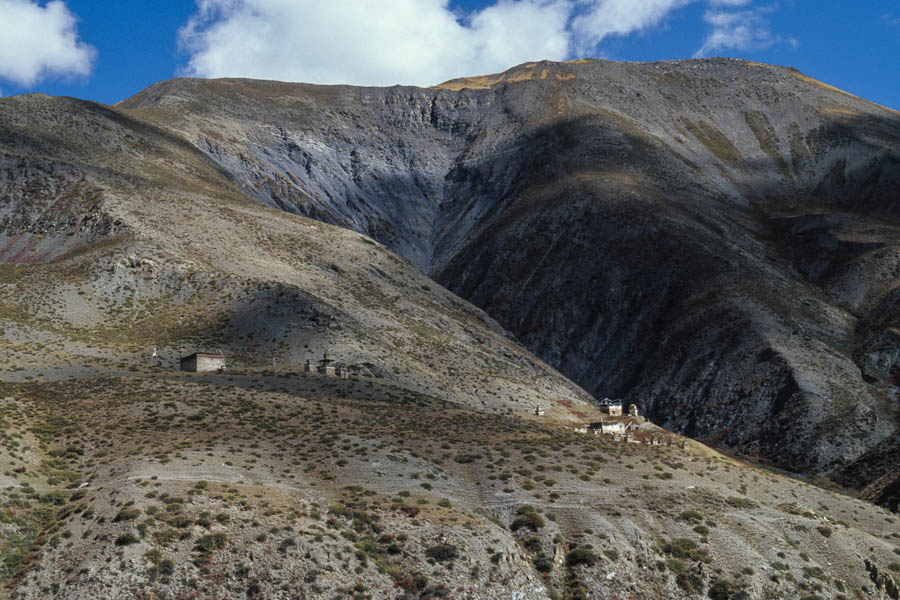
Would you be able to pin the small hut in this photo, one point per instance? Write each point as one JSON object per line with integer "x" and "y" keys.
{"x": 326, "y": 366}
{"x": 607, "y": 427}
{"x": 202, "y": 361}
{"x": 611, "y": 407}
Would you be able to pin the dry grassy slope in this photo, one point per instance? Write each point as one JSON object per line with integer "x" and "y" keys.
{"x": 188, "y": 260}
{"x": 283, "y": 487}
{"x": 715, "y": 239}
{"x": 119, "y": 236}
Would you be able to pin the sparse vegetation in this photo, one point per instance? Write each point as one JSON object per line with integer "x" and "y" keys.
{"x": 101, "y": 443}
{"x": 442, "y": 552}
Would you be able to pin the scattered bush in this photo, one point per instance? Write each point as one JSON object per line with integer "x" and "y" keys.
{"x": 814, "y": 573}
{"x": 738, "y": 502}
{"x": 685, "y": 548}
{"x": 532, "y": 544}
{"x": 167, "y": 567}
{"x": 531, "y": 520}
{"x": 414, "y": 582}
{"x": 691, "y": 516}
{"x": 543, "y": 564}
{"x": 126, "y": 539}
{"x": 690, "y": 582}
{"x": 723, "y": 589}
{"x": 435, "y": 591}
{"x": 580, "y": 556}
{"x": 675, "y": 565}
{"x": 442, "y": 552}
{"x": 127, "y": 514}
{"x": 211, "y": 542}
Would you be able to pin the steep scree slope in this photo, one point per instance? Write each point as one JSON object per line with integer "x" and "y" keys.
{"x": 714, "y": 239}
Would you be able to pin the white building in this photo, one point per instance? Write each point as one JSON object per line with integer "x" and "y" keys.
{"x": 610, "y": 427}
{"x": 200, "y": 361}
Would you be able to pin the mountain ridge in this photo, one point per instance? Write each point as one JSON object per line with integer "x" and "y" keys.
{"x": 733, "y": 168}
{"x": 131, "y": 237}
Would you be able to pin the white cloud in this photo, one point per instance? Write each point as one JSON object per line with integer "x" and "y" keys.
{"x": 739, "y": 30}
{"x": 603, "y": 18}
{"x": 370, "y": 43}
{"x": 422, "y": 42}
{"x": 38, "y": 41}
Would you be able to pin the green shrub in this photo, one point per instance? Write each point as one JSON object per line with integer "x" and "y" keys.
{"x": 723, "y": 589}
{"x": 127, "y": 514}
{"x": 580, "y": 556}
{"x": 442, "y": 552}
{"x": 824, "y": 530}
{"x": 126, "y": 539}
{"x": 542, "y": 564}
{"x": 675, "y": 565}
{"x": 211, "y": 542}
{"x": 55, "y": 498}
{"x": 167, "y": 567}
{"x": 738, "y": 502}
{"x": 531, "y": 520}
{"x": 814, "y": 573}
{"x": 691, "y": 516}
{"x": 414, "y": 582}
{"x": 685, "y": 548}
{"x": 690, "y": 582}
{"x": 532, "y": 544}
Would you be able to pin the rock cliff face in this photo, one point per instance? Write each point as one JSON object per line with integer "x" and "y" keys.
{"x": 714, "y": 240}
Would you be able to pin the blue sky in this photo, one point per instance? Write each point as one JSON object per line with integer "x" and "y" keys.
{"x": 107, "y": 50}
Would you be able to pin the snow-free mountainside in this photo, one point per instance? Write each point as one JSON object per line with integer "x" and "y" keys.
{"x": 714, "y": 241}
